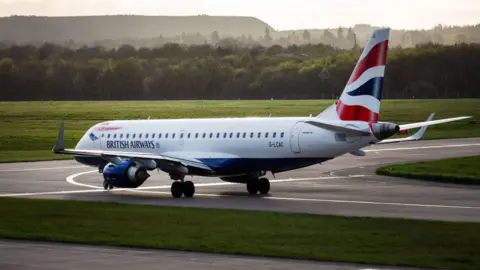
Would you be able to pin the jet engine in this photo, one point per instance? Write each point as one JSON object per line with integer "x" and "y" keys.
{"x": 383, "y": 130}
{"x": 125, "y": 175}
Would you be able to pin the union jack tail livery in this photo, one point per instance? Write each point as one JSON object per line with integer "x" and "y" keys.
{"x": 360, "y": 99}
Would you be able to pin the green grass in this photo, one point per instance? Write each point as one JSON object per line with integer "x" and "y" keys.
{"x": 331, "y": 238}
{"x": 464, "y": 170}
{"x": 33, "y": 126}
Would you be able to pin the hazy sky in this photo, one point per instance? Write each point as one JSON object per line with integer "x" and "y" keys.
{"x": 280, "y": 14}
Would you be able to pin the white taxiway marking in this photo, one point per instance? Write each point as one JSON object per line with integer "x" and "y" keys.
{"x": 266, "y": 198}
{"x": 71, "y": 179}
{"x": 26, "y": 194}
{"x": 422, "y": 147}
{"x": 95, "y": 189}
{"x": 43, "y": 169}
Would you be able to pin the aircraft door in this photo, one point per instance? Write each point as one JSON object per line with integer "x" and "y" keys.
{"x": 295, "y": 137}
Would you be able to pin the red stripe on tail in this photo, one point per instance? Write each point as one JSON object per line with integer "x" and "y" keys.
{"x": 355, "y": 113}
{"x": 377, "y": 56}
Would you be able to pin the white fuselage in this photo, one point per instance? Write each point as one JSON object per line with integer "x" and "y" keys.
{"x": 229, "y": 145}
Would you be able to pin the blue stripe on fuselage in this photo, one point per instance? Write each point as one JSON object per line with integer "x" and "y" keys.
{"x": 243, "y": 165}
{"x": 234, "y": 165}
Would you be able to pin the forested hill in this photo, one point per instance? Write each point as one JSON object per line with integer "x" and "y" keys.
{"x": 23, "y": 29}
{"x": 175, "y": 71}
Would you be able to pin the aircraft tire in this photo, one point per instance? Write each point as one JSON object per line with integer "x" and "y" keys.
{"x": 188, "y": 189}
{"x": 106, "y": 185}
{"x": 252, "y": 187}
{"x": 263, "y": 185}
{"x": 176, "y": 189}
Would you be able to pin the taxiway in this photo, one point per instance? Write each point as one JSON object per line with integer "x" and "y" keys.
{"x": 347, "y": 185}
{"x": 343, "y": 186}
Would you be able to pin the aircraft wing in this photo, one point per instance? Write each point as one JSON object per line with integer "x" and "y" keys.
{"x": 434, "y": 122}
{"x": 337, "y": 128}
{"x": 112, "y": 156}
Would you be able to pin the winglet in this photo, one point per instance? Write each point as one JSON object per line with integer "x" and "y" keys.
{"x": 421, "y": 131}
{"x": 59, "y": 146}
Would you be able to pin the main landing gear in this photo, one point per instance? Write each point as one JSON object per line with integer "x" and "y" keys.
{"x": 178, "y": 188}
{"x": 261, "y": 185}
{"x": 106, "y": 185}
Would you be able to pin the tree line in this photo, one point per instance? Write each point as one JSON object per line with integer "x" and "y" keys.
{"x": 178, "y": 71}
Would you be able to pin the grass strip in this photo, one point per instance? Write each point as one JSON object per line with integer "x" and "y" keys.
{"x": 329, "y": 238}
{"x": 29, "y": 129}
{"x": 463, "y": 170}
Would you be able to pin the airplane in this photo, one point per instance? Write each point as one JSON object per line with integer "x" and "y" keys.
{"x": 243, "y": 150}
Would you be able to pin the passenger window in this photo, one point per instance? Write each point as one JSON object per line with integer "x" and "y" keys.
{"x": 121, "y": 135}
{"x": 173, "y": 136}
{"x": 259, "y": 134}
{"x": 218, "y": 135}
{"x": 128, "y": 135}
{"x": 181, "y": 135}
{"x": 103, "y": 135}
{"x": 196, "y": 135}
{"x": 146, "y": 136}
{"x": 274, "y": 134}
{"x": 244, "y": 134}
{"x": 115, "y": 135}
{"x": 266, "y": 135}
{"x": 166, "y": 135}
{"x": 281, "y": 134}
{"x": 188, "y": 136}
{"x": 231, "y": 134}
{"x": 108, "y": 136}
{"x": 153, "y": 135}
{"x": 204, "y": 134}
{"x": 224, "y": 135}
{"x": 238, "y": 134}
{"x": 140, "y": 135}
{"x": 159, "y": 135}
{"x": 133, "y": 136}
{"x": 211, "y": 134}
{"x": 251, "y": 135}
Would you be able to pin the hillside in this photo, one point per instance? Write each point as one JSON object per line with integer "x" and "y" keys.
{"x": 23, "y": 29}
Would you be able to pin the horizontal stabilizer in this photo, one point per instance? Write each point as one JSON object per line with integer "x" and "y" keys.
{"x": 337, "y": 128}
{"x": 434, "y": 122}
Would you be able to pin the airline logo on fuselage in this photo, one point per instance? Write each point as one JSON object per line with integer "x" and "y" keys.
{"x": 122, "y": 144}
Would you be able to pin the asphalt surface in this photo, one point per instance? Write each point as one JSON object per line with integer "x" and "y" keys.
{"x": 343, "y": 186}
{"x": 21, "y": 255}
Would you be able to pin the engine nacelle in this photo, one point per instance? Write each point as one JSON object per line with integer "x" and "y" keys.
{"x": 383, "y": 130}
{"x": 125, "y": 175}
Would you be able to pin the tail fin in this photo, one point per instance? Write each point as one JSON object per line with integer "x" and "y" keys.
{"x": 360, "y": 99}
